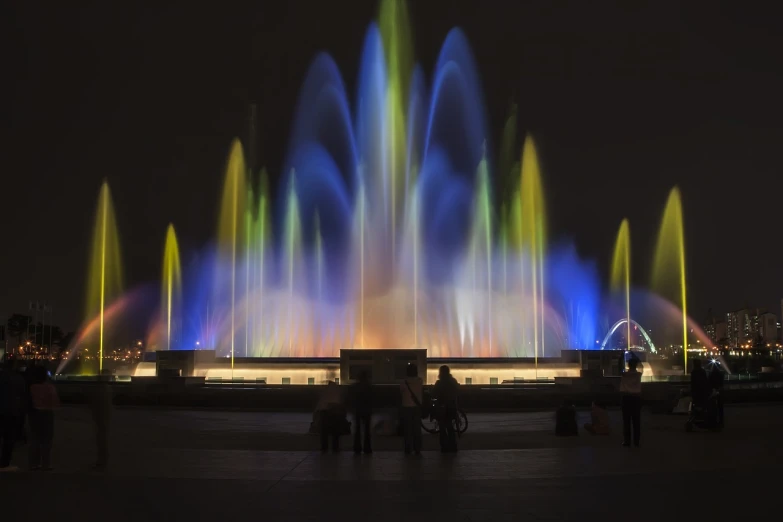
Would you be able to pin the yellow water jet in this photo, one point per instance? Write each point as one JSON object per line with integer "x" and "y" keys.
{"x": 104, "y": 275}
{"x": 232, "y": 222}
{"x": 171, "y": 291}
{"x": 668, "y": 278}
{"x": 621, "y": 272}
{"x": 533, "y": 235}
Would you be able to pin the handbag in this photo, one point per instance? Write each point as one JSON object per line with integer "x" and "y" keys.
{"x": 424, "y": 411}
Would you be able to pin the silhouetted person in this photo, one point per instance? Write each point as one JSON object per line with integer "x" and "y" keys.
{"x": 412, "y": 393}
{"x": 700, "y": 386}
{"x": 27, "y": 375}
{"x": 331, "y": 415}
{"x": 361, "y": 398}
{"x": 716, "y": 383}
{"x": 445, "y": 392}
{"x": 43, "y": 396}
{"x": 13, "y": 402}
{"x": 599, "y": 420}
{"x": 631, "y": 390}
{"x": 565, "y": 420}
{"x": 101, "y": 408}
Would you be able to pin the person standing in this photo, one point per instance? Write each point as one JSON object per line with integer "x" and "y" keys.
{"x": 445, "y": 392}
{"x": 716, "y": 383}
{"x": 101, "y": 409}
{"x": 12, "y": 405}
{"x": 43, "y": 396}
{"x": 412, "y": 392}
{"x": 700, "y": 385}
{"x": 631, "y": 390}
{"x": 331, "y": 416}
{"x": 362, "y": 413}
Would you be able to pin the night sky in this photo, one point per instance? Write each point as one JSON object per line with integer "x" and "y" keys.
{"x": 626, "y": 99}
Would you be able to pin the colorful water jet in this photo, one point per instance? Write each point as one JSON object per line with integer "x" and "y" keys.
{"x": 171, "y": 287}
{"x": 394, "y": 224}
{"x": 231, "y": 234}
{"x": 668, "y": 277}
{"x": 104, "y": 275}
{"x": 620, "y": 281}
{"x": 532, "y": 229}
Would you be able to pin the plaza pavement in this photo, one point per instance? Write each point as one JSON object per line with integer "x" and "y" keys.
{"x": 207, "y": 465}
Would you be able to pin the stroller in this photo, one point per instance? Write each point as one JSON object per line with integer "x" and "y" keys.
{"x": 704, "y": 417}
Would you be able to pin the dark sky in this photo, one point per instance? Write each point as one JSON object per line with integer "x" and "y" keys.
{"x": 626, "y": 99}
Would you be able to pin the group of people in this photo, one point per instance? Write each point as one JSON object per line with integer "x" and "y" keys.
{"x": 27, "y": 400}
{"x": 631, "y": 401}
{"x": 704, "y": 387}
{"x": 331, "y": 412}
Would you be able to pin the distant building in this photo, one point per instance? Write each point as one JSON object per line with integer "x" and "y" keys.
{"x": 767, "y": 324}
{"x": 716, "y": 330}
{"x": 734, "y": 330}
{"x": 744, "y": 327}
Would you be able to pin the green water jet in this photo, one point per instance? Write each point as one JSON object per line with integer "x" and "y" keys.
{"x": 248, "y": 264}
{"x": 263, "y": 235}
{"x": 293, "y": 246}
{"x": 397, "y": 39}
{"x": 482, "y": 237}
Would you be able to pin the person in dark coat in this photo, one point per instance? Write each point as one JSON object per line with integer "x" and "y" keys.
{"x": 13, "y": 402}
{"x": 716, "y": 384}
{"x": 44, "y": 399}
{"x": 412, "y": 394}
{"x": 361, "y": 398}
{"x": 445, "y": 392}
{"x": 700, "y": 386}
{"x": 101, "y": 409}
{"x": 631, "y": 393}
{"x": 331, "y": 416}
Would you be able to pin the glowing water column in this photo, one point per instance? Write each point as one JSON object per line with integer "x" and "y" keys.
{"x": 481, "y": 242}
{"x": 293, "y": 253}
{"x": 171, "y": 288}
{"x": 398, "y": 53}
{"x": 104, "y": 276}
{"x": 621, "y": 272}
{"x": 359, "y": 229}
{"x": 262, "y": 236}
{"x": 669, "y": 266}
{"x": 230, "y": 231}
{"x": 533, "y": 237}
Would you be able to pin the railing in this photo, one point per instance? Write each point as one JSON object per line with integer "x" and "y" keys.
{"x": 727, "y": 378}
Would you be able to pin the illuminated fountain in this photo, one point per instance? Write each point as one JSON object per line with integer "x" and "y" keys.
{"x": 171, "y": 287}
{"x": 104, "y": 275}
{"x": 391, "y": 225}
{"x": 668, "y": 278}
{"x": 620, "y": 282}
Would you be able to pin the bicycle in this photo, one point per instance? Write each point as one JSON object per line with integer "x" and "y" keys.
{"x": 430, "y": 423}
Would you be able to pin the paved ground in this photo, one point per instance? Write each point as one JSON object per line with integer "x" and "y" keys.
{"x": 176, "y": 465}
